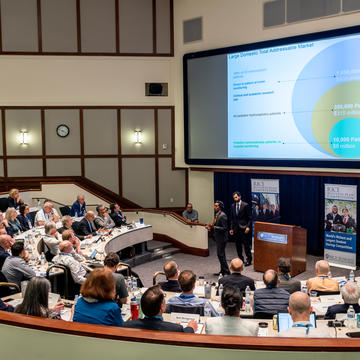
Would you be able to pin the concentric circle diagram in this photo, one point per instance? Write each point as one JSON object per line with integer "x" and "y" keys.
{"x": 326, "y": 100}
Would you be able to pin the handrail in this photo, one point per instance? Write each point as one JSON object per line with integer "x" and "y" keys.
{"x": 181, "y": 339}
{"x": 59, "y": 203}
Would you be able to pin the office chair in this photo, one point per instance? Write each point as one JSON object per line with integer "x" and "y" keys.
{"x": 64, "y": 210}
{"x": 183, "y": 309}
{"x": 7, "y": 288}
{"x": 156, "y": 275}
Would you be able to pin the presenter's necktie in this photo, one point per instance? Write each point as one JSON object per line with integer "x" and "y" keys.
{"x": 237, "y": 208}
{"x": 215, "y": 219}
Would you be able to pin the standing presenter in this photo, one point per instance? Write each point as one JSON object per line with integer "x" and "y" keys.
{"x": 240, "y": 227}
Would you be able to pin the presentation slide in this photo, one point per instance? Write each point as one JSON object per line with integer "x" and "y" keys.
{"x": 298, "y": 101}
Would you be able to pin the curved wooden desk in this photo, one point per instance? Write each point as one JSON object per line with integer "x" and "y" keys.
{"x": 43, "y": 337}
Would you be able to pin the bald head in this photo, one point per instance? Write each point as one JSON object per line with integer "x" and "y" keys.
{"x": 90, "y": 216}
{"x": 270, "y": 278}
{"x": 236, "y": 265}
{"x": 322, "y": 267}
{"x": 171, "y": 270}
{"x": 6, "y": 241}
{"x": 65, "y": 246}
{"x": 300, "y": 306}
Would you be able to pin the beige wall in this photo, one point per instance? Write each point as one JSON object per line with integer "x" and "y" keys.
{"x": 226, "y": 23}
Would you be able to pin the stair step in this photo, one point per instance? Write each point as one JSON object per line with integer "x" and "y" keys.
{"x": 154, "y": 245}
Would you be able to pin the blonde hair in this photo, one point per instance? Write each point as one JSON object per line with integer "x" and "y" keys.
{"x": 12, "y": 192}
{"x": 9, "y": 213}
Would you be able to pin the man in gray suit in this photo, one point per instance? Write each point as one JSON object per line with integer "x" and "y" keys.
{"x": 220, "y": 231}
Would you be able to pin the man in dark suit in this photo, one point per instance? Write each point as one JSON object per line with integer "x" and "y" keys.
{"x": 236, "y": 280}
{"x": 332, "y": 218}
{"x": 118, "y": 217}
{"x": 86, "y": 225}
{"x": 172, "y": 273}
{"x": 240, "y": 227}
{"x": 350, "y": 293}
{"x": 219, "y": 227}
{"x": 153, "y": 305}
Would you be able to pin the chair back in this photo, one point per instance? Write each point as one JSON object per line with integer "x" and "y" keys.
{"x": 264, "y": 315}
{"x": 7, "y": 288}
{"x": 64, "y": 210}
{"x": 156, "y": 275}
{"x": 3, "y": 204}
{"x": 76, "y": 227}
{"x": 124, "y": 266}
{"x": 62, "y": 282}
{"x": 170, "y": 308}
{"x": 321, "y": 293}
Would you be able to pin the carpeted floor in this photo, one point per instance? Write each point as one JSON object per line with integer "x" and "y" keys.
{"x": 206, "y": 266}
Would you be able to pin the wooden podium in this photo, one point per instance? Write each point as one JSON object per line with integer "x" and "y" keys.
{"x": 272, "y": 241}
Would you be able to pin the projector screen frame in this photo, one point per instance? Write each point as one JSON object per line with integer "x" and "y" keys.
{"x": 289, "y": 163}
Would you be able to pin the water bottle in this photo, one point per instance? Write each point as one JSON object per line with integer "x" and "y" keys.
{"x": 138, "y": 300}
{"x": 247, "y": 298}
{"x": 351, "y": 317}
{"x": 247, "y": 292}
{"x": 39, "y": 204}
{"x": 329, "y": 274}
{"x": 221, "y": 288}
{"x": 220, "y": 276}
{"x": 42, "y": 258}
{"x": 134, "y": 283}
{"x": 207, "y": 290}
{"x": 304, "y": 289}
{"x": 352, "y": 276}
{"x": 207, "y": 310}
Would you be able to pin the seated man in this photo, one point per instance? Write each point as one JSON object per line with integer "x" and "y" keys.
{"x": 271, "y": 299}
{"x": 47, "y": 213}
{"x": 78, "y": 208}
{"x": 286, "y": 282}
{"x": 322, "y": 282}
{"x": 103, "y": 220}
{"x": 5, "y": 244}
{"x": 75, "y": 242}
{"x": 15, "y": 267}
{"x": 117, "y": 216}
{"x": 67, "y": 222}
{"x": 86, "y": 225}
{"x": 111, "y": 263}
{"x": 172, "y": 273}
{"x": 51, "y": 238}
{"x": 190, "y": 214}
{"x": 235, "y": 279}
{"x": 300, "y": 309}
{"x": 153, "y": 306}
{"x": 66, "y": 258}
{"x": 350, "y": 293}
{"x": 187, "y": 281}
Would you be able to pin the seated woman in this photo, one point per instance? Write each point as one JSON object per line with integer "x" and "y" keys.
{"x": 14, "y": 199}
{"x": 24, "y": 217}
{"x": 231, "y": 323}
{"x": 11, "y": 217}
{"x": 96, "y": 305}
{"x": 36, "y": 300}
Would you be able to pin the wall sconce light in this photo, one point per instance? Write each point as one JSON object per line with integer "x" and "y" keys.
{"x": 138, "y": 136}
{"x": 24, "y": 137}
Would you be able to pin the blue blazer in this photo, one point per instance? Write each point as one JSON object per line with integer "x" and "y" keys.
{"x": 78, "y": 209}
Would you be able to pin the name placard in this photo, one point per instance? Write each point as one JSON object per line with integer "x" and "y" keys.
{"x": 271, "y": 237}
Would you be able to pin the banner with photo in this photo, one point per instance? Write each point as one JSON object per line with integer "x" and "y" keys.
{"x": 265, "y": 200}
{"x": 340, "y": 225}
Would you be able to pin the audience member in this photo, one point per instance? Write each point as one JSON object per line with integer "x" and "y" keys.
{"x": 111, "y": 263}
{"x": 24, "y": 217}
{"x": 231, "y": 323}
{"x": 190, "y": 214}
{"x": 300, "y": 309}
{"x": 67, "y": 223}
{"x": 86, "y": 225}
{"x": 153, "y": 306}
{"x": 36, "y": 300}
{"x": 187, "y": 281}
{"x": 52, "y": 238}
{"x": 6, "y": 307}
{"x": 14, "y": 199}
{"x": 11, "y": 217}
{"x": 271, "y": 299}
{"x": 103, "y": 219}
{"x": 236, "y": 280}
{"x": 67, "y": 257}
{"x": 322, "y": 282}
{"x": 118, "y": 217}
{"x": 15, "y": 267}
{"x": 172, "y": 273}
{"x": 96, "y": 306}
{"x": 75, "y": 242}
{"x": 350, "y": 293}
{"x": 47, "y": 213}
{"x": 286, "y": 282}
{"x": 5, "y": 244}
{"x": 78, "y": 208}
{"x": 4, "y": 225}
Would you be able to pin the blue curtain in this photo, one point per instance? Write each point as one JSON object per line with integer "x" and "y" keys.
{"x": 301, "y": 200}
